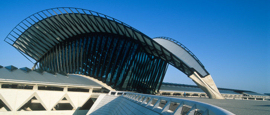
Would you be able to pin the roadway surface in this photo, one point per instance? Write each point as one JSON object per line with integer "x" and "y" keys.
{"x": 238, "y": 107}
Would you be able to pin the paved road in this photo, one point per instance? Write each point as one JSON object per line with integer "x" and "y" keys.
{"x": 239, "y": 107}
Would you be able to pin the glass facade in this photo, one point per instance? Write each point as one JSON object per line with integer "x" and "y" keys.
{"x": 116, "y": 60}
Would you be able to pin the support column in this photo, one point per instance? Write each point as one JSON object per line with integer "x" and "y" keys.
{"x": 35, "y": 87}
{"x": 34, "y": 66}
{"x": 207, "y": 84}
{"x": 65, "y": 89}
{"x": 90, "y": 90}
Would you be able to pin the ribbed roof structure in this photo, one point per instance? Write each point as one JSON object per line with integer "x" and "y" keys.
{"x": 80, "y": 41}
{"x": 38, "y": 33}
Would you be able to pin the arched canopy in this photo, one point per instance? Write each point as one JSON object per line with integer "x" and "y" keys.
{"x": 73, "y": 40}
{"x": 38, "y": 33}
{"x": 183, "y": 53}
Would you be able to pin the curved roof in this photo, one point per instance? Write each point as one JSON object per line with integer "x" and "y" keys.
{"x": 183, "y": 53}
{"x": 38, "y": 33}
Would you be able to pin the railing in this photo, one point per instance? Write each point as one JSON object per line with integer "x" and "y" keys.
{"x": 204, "y": 95}
{"x": 169, "y": 105}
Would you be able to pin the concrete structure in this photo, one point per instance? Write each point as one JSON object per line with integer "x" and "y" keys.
{"x": 201, "y": 77}
{"x": 79, "y": 41}
{"x": 23, "y": 91}
{"x": 141, "y": 104}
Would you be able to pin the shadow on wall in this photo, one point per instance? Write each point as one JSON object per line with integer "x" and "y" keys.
{"x": 104, "y": 108}
{"x": 88, "y": 104}
{"x": 120, "y": 105}
{"x": 86, "y": 107}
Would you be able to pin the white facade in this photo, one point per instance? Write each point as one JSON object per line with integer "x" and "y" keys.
{"x": 26, "y": 92}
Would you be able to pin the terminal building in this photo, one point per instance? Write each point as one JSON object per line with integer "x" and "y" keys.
{"x": 84, "y": 59}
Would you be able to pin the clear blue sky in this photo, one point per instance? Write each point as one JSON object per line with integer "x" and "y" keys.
{"x": 230, "y": 37}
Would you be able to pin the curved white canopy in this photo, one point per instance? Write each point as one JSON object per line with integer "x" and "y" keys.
{"x": 182, "y": 53}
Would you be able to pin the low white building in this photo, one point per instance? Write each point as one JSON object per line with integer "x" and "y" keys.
{"x": 23, "y": 91}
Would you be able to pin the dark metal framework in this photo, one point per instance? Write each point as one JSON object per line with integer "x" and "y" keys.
{"x": 81, "y": 41}
{"x": 117, "y": 61}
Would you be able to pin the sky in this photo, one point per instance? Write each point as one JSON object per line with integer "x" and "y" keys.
{"x": 231, "y": 37}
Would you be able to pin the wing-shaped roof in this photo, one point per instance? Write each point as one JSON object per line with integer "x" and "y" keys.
{"x": 183, "y": 53}
{"x": 38, "y": 33}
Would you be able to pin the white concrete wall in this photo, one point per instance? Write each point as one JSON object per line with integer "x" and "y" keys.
{"x": 14, "y": 99}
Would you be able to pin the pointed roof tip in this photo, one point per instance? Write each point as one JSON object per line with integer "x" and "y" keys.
{"x": 26, "y": 69}
{"x": 11, "y": 68}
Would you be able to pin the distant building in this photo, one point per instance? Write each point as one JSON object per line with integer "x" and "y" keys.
{"x": 183, "y": 90}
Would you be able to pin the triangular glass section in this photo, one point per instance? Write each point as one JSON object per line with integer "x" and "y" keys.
{"x": 63, "y": 104}
{"x": 88, "y": 104}
{"x": 11, "y": 68}
{"x": 32, "y": 105}
{"x": 26, "y": 69}
{"x": 3, "y": 106}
